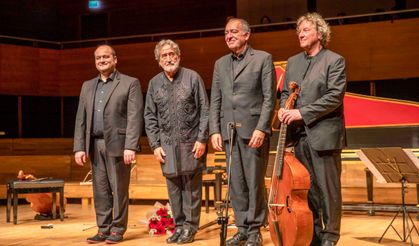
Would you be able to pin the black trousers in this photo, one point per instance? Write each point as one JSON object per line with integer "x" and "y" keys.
{"x": 247, "y": 188}
{"x": 185, "y": 195}
{"x": 324, "y": 197}
{"x": 111, "y": 179}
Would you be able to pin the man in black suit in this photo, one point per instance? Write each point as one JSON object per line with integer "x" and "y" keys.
{"x": 318, "y": 123}
{"x": 107, "y": 129}
{"x": 243, "y": 93}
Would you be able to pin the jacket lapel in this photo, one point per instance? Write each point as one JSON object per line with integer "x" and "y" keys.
{"x": 91, "y": 99}
{"x": 246, "y": 61}
{"x": 89, "y": 103}
{"x": 114, "y": 85}
{"x": 227, "y": 70}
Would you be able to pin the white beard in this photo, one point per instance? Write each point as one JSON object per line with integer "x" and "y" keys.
{"x": 172, "y": 67}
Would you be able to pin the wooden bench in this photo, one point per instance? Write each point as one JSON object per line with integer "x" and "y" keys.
{"x": 16, "y": 187}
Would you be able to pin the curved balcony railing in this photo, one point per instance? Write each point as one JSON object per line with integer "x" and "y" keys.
{"x": 151, "y": 37}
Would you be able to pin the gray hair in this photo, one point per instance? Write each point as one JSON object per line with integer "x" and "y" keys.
{"x": 244, "y": 24}
{"x": 162, "y": 43}
{"x": 106, "y": 45}
{"x": 320, "y": 24}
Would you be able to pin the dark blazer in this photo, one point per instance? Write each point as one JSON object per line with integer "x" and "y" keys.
{"x": 321, "y": 98}
{"x": 122, "y": 116}
{"x": 248, "y": 98}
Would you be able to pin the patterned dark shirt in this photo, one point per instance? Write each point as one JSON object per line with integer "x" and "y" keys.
{"x": 176, "y": 116}
{"x": 176, "y": 111}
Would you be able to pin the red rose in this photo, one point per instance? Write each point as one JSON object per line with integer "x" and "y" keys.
{"x": 164, "y": 222}
{"x": 153, "y": 223}
{"x": 160, "y": 230}
{"x": 171, "y": 222}
{"x": 162, "y": 212}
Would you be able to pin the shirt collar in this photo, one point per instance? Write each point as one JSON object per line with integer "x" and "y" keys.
{"x": 110, "y": 78}
{"x": 177, "y": 74}
{"x": 315, "y": 56}
{"x": 241, "y": 56}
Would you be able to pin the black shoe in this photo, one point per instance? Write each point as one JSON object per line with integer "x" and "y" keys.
{"x": 98, "y": 238}
{"x": 326, "y": 242}
{"x": 114, "y": 238}
{"x": 316, "y": 241}
{"x": 187, "y": 236}
{"x": 173, "y": 238}
{"x": 237, "y": 240}
{"x": 254, "y": 240}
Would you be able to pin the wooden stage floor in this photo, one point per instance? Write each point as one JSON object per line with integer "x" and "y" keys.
{"x": 357, "y": 229}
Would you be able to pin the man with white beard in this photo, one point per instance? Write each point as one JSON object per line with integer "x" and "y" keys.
{"x": 176, "y": 123}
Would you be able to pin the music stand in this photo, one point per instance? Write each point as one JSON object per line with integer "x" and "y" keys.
{"x": 394, "y": 165}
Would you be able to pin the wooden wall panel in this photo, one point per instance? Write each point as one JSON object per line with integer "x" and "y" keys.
{"x": 56, "y": 166}
{"x": 394, "y": 49}
{"x": 373, "y": 51}
{"x": 138, "y": 60}
{"x": 75, "y": 67}
{"x": 355, "y": 48}
{"x": 48, "y": 76}
{"x": 379, "y": 50}
{"x": 48, "y": 146}
{"x": 28, "y": 71}
{"x": 36, "y": 146}
{"x": 19, "y": 69}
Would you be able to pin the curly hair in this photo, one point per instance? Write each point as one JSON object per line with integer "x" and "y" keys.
{"x": 321, "y": 26}
{"x": 162, "y": 43}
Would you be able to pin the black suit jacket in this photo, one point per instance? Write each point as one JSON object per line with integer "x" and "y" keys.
{"x": 321, "y": 98}
{"x": 248, "y": 98}
{"x": 122, "y": 116}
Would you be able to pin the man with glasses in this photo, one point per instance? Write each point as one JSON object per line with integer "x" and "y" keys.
{"x": 176, "y": 123}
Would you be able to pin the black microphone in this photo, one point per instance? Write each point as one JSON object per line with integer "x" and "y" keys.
{"x": 234, "y": 125}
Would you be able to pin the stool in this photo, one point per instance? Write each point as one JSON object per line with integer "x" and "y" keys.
{"x": 16, "y": 187}
{"x": 207, "y": 183}
{"x": 216, "y": 183}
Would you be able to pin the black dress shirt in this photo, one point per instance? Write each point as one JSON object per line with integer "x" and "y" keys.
{"x": 102, "y": 92}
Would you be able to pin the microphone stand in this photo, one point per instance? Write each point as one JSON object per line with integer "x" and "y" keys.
{"x": 223, "y": 219}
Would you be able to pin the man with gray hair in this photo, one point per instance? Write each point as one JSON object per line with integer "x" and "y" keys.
{"x": 176, "y": 123}
{"x": 317, "y": 122}
{"x": 243, "y": 97}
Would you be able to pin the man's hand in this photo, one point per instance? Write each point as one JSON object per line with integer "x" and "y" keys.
{"x": 80, "y": 157}
{"x": 217, "y": 141}
{"x": 289, "y": 116}
{"x": 129, "y": 157}
{"x": 280, "y": 113}
{"x": 198, "y": 149}
{"x": 257, "y": 139}
{"x": 159, "y": 154}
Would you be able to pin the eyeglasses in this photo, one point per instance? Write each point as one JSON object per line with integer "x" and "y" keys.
{"x": 167, "y": 55}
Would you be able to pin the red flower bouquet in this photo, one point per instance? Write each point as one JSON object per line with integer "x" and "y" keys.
{"x": 160, "y": 221}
